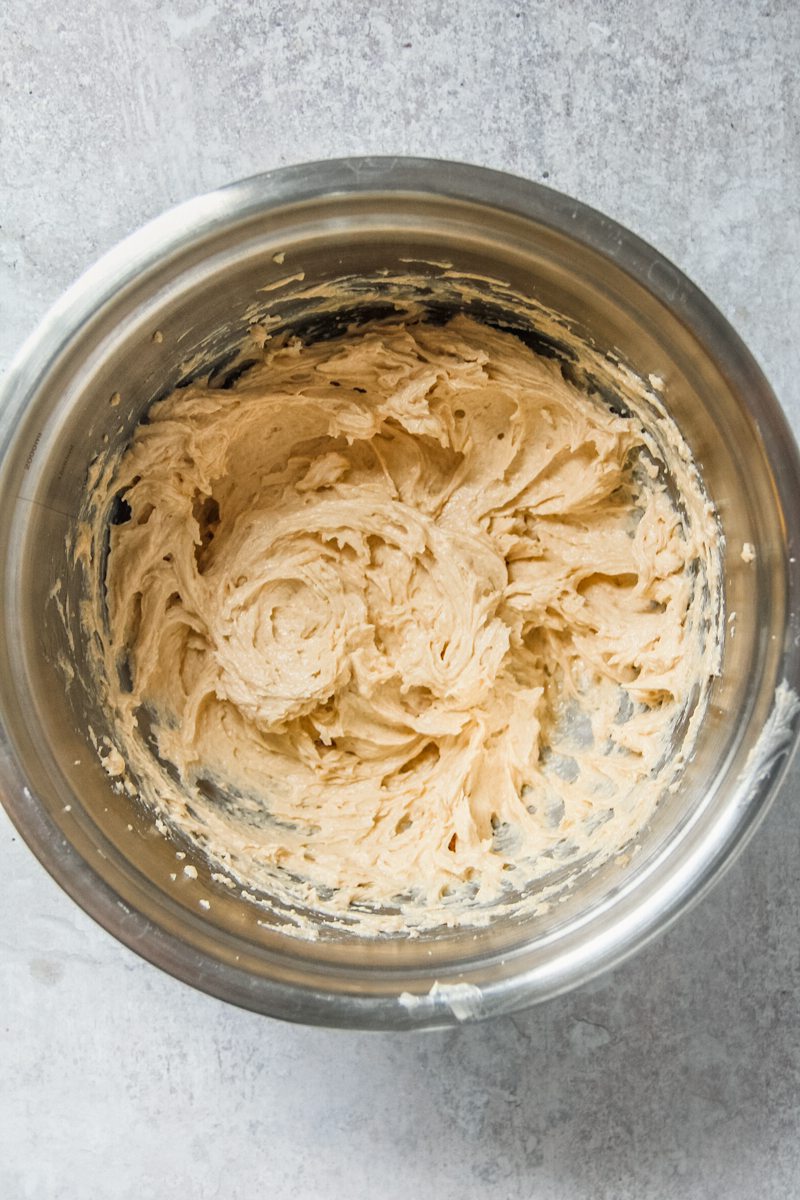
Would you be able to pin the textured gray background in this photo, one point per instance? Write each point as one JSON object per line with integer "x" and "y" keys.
{"x": 678, "y": 1074}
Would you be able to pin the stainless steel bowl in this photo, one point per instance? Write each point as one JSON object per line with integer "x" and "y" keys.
{"x": 192, "y": 277}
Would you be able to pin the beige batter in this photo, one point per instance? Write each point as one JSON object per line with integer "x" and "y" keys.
{"x": 411, "y": 618}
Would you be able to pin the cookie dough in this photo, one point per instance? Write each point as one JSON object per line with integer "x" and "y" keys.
{"x": 412, "y": 620}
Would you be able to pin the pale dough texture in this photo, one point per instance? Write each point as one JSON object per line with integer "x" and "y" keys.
{"x": 410, "y": 617}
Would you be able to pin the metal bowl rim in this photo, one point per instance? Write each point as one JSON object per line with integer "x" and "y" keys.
{"x": 685, "y": 874}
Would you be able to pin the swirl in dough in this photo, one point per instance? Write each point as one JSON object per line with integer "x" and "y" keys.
{"x": 411, "y": 615}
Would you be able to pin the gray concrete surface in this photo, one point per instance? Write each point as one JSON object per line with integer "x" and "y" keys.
{"x": 679, "y": 1074}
